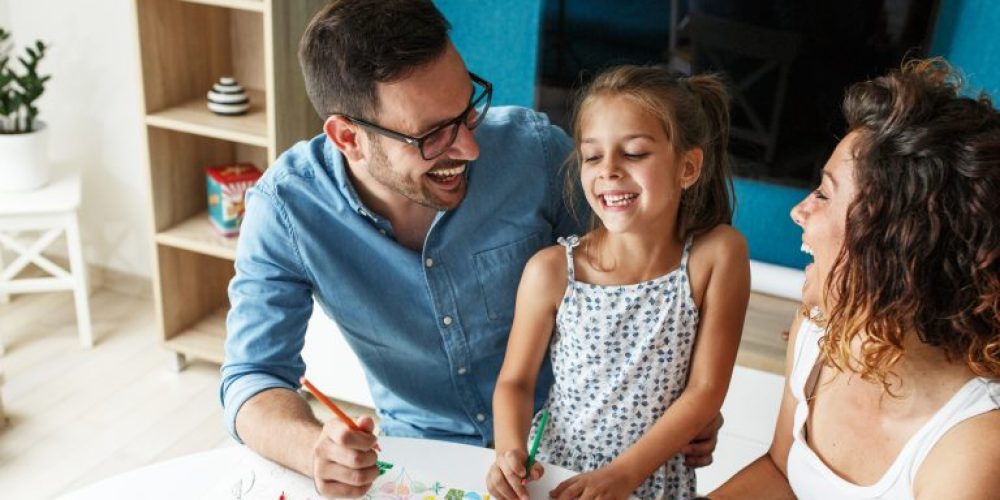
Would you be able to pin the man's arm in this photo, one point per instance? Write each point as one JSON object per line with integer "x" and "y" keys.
{"x": 271, "y": 301}
{"x": 279, "y": 424}
{"x": 270, "y": 304}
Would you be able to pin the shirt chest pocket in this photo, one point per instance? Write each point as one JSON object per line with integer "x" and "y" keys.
{"x": 499, "y": 272}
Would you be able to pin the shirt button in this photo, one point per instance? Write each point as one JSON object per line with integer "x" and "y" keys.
{"x": 480, "y": 417}
{"x": 382, "y": 231}
{"x": 429, "y": 262}
{"x": 446, "y": 320}
{"x": 461, "y": 370}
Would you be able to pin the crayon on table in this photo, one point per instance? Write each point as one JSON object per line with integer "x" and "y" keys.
{"x": 534, "y": 443}
{"x": 334, "y": 408}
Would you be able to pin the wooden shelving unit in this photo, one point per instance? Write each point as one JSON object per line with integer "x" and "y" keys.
{"x": 184, "y": 47}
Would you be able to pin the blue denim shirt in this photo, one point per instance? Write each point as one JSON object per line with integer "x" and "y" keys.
{"x": 431, "y": 338}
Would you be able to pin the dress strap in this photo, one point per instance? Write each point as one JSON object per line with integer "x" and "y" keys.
{"x": 687, "y": 252}
{"x": 570, "y": 242}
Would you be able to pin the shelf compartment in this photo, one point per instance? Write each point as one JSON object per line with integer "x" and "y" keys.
{"x": 184, "y": 47}
{"x": 193, "y": 44}
{"x": 197, "y": 234}
{"x": 193, "y": 301}
{"x": 193, "y": 117}
{"x": 204, "y": 340}
{"x": 177, "y": 173}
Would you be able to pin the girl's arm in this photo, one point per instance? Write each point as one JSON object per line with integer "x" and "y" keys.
{"x": 542, "y": 286}
{"x": 723, "y": 308}
{"x": 768, "y": 475}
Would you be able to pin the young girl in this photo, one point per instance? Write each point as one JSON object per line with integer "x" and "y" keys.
{"x": 643, "y": 314}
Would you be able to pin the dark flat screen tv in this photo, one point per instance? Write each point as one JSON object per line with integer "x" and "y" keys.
{"x": 787, "y": 62}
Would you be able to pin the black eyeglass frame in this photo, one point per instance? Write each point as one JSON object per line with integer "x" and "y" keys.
{"x": 418, "y": 142}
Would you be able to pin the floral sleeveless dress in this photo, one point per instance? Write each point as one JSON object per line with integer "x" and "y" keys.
{"x": 620, "y": 355}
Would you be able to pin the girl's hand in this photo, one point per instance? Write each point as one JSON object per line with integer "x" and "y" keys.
{"x": 606, "y": 483}
{"x": 506, "y": 478}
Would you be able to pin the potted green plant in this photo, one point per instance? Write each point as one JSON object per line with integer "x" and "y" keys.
{"x": 23, "y": 138}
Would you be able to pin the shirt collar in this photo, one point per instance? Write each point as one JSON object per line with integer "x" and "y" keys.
{"x": 338, "y": 167}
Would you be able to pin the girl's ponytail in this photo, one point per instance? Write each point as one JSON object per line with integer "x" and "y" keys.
{"x": 708, "y": 202}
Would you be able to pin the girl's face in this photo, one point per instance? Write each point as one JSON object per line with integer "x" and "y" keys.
{"x": 822, "y": 216}
{"x": 629, "y": 171}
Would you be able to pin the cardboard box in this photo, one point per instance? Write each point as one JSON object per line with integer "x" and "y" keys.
{"x": 227, "y": 186}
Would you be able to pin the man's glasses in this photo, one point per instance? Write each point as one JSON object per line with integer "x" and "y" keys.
{"x": 435, "y": 142}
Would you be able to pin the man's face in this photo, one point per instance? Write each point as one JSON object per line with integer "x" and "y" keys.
{"x": 433, "y": 94}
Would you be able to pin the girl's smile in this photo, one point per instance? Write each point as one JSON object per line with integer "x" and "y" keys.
{"x": 618, "y": 200}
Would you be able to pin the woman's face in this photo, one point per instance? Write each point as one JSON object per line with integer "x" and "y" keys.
{"x": 822, "y": 216}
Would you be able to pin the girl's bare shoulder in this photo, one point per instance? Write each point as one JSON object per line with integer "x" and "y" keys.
{"x": 721, "y": 244}
{"x": 546, "y": 270}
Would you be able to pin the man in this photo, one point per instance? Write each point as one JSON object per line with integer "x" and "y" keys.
{"x": 407, "y": 229}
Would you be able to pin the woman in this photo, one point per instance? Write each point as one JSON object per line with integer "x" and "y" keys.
{"x": 893, "y": 381}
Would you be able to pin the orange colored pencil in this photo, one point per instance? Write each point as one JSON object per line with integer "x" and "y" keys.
{"x": 333, "y": 407}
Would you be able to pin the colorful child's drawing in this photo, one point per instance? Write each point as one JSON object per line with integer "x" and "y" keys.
{"x": 398, "y": 485}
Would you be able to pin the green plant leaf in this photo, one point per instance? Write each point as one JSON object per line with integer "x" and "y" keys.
{"x": 20, "y": 90}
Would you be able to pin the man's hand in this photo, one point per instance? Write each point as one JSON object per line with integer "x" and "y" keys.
{"x": 343, "y": 460}
{"x": 698, "y": 453}
{"x": 505, "y": 480}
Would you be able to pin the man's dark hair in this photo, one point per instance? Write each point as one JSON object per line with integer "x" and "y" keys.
{"x": 351, "y": 45}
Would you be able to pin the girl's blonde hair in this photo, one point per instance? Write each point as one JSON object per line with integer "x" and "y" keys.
{"x": 694, "y": 112}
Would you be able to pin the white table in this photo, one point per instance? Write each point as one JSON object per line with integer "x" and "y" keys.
{"x": 195, "y": 476}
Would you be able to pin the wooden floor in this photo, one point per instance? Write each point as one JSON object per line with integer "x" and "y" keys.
{"x": 77, "y": 416}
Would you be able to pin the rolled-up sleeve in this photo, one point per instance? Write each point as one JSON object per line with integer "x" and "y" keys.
{"x": 270, "y": 304}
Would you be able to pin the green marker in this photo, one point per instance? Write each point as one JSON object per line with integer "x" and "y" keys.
{"x": 383, "y": 467}
{"x": 534, "y": 444}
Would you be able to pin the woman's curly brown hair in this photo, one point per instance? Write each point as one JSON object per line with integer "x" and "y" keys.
{"x": 921, "y": 252}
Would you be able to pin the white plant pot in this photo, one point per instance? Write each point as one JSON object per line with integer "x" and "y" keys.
{"x": 24, "y": 159}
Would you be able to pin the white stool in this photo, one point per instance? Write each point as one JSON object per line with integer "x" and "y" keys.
{"x": 49, "y": 211}
{"x": 3, "y": 416}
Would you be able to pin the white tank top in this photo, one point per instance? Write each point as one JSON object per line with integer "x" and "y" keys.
{"x": 810, "y": 478}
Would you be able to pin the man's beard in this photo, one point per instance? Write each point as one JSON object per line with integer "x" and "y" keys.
{"x": 418, "y": 192}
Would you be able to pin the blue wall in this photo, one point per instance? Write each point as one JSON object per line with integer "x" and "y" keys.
{"x": 968, "y": 35}
{"x": 499, "y": 41}
{"x": 762, "y": 215}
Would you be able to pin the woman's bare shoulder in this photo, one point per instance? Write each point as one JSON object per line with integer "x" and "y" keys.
{"x": 965, "y": 462}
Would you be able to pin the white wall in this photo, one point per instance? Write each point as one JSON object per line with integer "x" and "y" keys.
{"x": 92, "y": 105}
